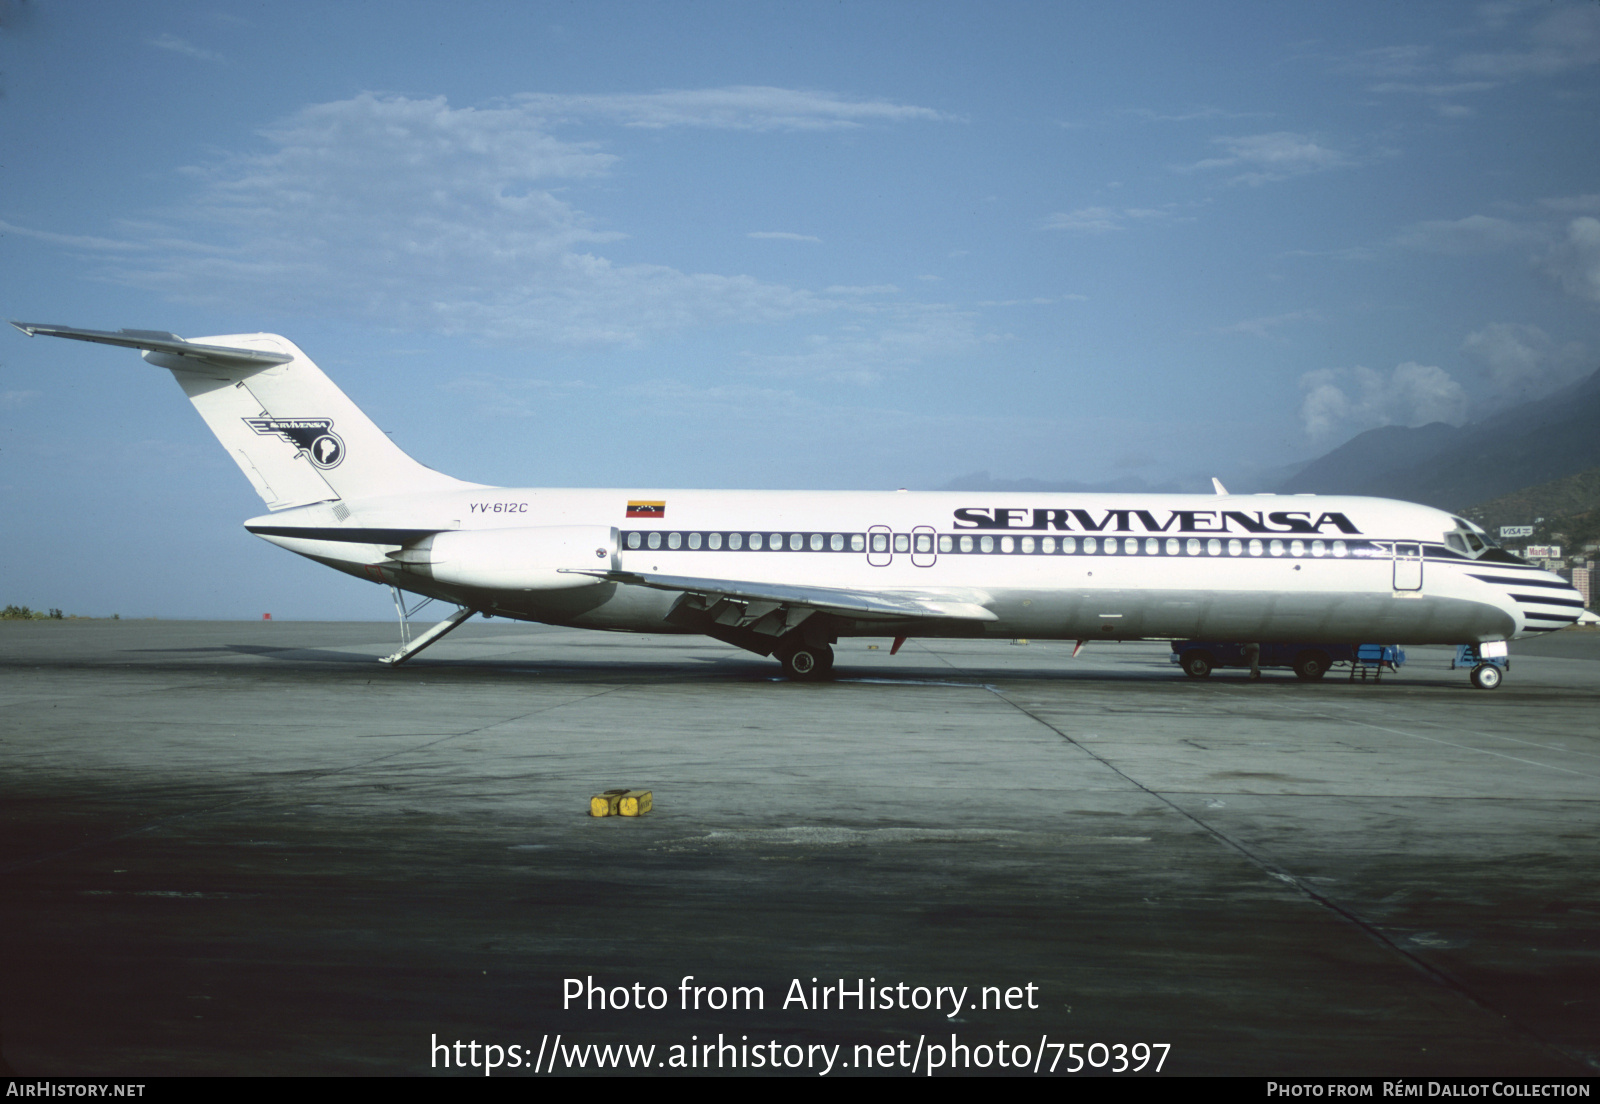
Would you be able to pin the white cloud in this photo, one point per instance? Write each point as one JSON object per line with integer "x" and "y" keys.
{"x": 1575, "y": 261}
{"x": 73, "y": 241}
{"x": 1266, "y": 158}
{"x": 1264, "y": 327}
{"x": 1390, "y": 61}
{"x": 420, "y": 216}
{"x": 1440, "y": 94}
{"x": 9, "y": 399}
{"x": 1473, "y": 234}
{"x": 1573, "y": 204}
{"x": 739, "y": 108}
{"x": 1093, "y": 219}
{"x": 1455, "y": 88}
{"x": 1099, "y": 220}
{"x": 1342, "y": 401}
{"x": 177, "y": 45}
{"x": 508, "y": 397}
{"x": 891, "y": 337}
{"x": 1189, "y": 116}
{"x": 781, "y": 235}
{"x": 1567, "y": 38}
{"x": 1522, "y": 362}
{"x": 1034, "y": 301}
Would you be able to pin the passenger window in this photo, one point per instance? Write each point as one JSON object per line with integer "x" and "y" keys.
{"x": 880, "y": 542}
{"x": 715, "y": 541}
{"x": 1235, "y": 547}
{"x": 694, "y": 540}
{"x": 986, "y": 544}
{"x": 1089, "y": 544}
{"x": 1027, "y": 545}
{"x": 924, "y": 542}
{"x": 735, "y": 541}
{"x": 945, "y": 543}
{"x": 1255, "y": 548}
{"x": 654, "y": 541}
{"x": 858, "y": 543}
{"x": 836, "y": 542}
{"x": 966, "y": 544}
{"x": 633, "y": 540}
{"x": 797, "y": 541}
{"x": 1047, "y": 545}
{"x": 1297, "y": 548}
{"x": 755, "y": 542}
{"x": 1340, "y": 548}
{"x": 1172, "y": 546}
{"x": 1213, "y": 547}
{"x": 1192, "y": 546}
{"x": 1276, "y": 548}
{"x": 902, "y": 542}
{"x": 674, "y": 540}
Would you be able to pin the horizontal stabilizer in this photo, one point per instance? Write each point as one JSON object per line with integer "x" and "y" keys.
{"x": 871, "y": 605}
{"x": 155, "y": 341}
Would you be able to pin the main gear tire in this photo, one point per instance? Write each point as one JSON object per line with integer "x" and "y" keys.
{"x": 807, "y": 662}
{"x": 1311, "y": 666}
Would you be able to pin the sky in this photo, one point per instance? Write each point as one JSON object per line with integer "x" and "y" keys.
{"x": 857, "y": 245}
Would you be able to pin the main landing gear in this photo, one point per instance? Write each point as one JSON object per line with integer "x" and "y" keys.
{"x": 1310, "y": 666}
{"x": 805, "y": 662}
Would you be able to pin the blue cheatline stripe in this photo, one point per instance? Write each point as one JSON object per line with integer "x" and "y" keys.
{"x": 1513, "y": 581}
{"x": 1543, "y": 601}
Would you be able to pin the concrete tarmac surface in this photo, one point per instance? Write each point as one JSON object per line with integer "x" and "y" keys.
{"x": 247, "y": 848}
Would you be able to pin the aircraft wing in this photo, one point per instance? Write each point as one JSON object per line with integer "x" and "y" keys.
{"x": 860, "y": 604}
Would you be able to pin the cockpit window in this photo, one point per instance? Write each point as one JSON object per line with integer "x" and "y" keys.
{"x": 1468, "y": 538}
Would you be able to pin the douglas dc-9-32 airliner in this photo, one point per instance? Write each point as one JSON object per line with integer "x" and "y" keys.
{"x": 789, "y": 573}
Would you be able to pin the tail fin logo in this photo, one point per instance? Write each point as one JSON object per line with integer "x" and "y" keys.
{"x": 312, "y": 436}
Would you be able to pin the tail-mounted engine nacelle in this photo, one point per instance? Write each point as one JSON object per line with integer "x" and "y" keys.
{"x": 513, "y": 559}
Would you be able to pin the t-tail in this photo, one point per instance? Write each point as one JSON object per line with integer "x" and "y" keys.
{"x": 294, "y": 434}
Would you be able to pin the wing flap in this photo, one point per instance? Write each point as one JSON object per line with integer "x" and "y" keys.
{"x": 865, "y": 605}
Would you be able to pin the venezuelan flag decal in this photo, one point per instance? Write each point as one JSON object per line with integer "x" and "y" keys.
{"x": 647, "y": 509}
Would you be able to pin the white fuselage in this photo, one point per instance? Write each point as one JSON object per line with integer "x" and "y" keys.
{"x": 777, "y": 571}
{"x": 1261, "y": 568}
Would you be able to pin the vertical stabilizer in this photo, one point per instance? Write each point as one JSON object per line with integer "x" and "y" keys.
{"x": 294, "y": 434}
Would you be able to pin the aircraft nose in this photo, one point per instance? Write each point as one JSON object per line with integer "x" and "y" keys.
{"x": 1547, "y": 601}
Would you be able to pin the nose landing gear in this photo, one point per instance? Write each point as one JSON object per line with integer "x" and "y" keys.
{"x": 1488, "y": 662}
{"x": 1485, "y": 676}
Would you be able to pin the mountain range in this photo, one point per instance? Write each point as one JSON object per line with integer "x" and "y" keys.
{"x": 1454, "y": 467}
